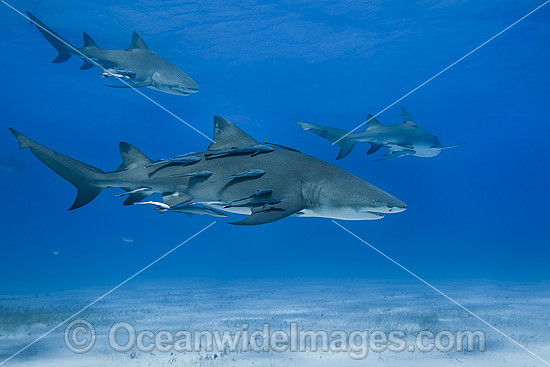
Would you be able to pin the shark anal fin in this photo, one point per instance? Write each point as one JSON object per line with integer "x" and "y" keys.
{"x": 272, "y": 213}
{"x": 374, "y": 148}
{"x": 135, "y": 198}
{"x": 86, "y": 65}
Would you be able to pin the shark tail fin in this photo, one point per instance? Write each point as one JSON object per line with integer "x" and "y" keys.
{"x": 338, "y": 136}
{"x": 87, "y": 179}
{"x": 65, "y": 49}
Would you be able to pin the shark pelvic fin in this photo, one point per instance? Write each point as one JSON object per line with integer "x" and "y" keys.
{"x": 137, "y": 43}
{"x": 175, "y": 198}
{"x": 227, "y": 135}
{"x": 88, "y": 41}
{"x": 132, "y": 157}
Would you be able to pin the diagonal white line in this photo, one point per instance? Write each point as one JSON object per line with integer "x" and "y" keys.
{"x": 110, "y": 73}
{"x": 109, "y": 292}
{"x": 441, "y": 293}
{"x": 444, "y": 70}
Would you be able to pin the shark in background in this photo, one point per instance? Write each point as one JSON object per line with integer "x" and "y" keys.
{"x": 401, "y": 140}
{"x": 137, "y": 65}
{"x": 237, "y": 174}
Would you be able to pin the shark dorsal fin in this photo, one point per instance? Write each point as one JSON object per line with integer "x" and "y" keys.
{"x": 132, "y": 157}
{"x": 372, "y": 121}
{"x": 137, "y": 42}
{"x": 88, "y": 41}
{"x": 227, "y": 135}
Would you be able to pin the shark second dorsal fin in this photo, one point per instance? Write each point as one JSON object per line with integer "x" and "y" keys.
{"x": 137, "y": 42}
{"x": 406, "y": 117}
{"x": 88, "y": 41}
{"x": 371, "y": 121}
{"x": 132, "y": 157}
{"x": 227, "y": 135}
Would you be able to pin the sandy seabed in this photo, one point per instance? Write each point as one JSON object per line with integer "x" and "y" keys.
{"x": 520, "y": 310}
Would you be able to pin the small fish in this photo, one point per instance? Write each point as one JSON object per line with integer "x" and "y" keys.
{"x": 155, "y": 203}
{"x": 254, "y": 203}
{"x": 56, "y": 252}
{"x": 253, "y": 150}
{"x": 141, "y": 189}
{"x": 195, "y": 174}
{"x": 208, "y": 203}
{"x": 282, "y": 146}
{"x": 263, "y": 192}
{"x": 193, "y": 209}
{"x": 251, "y": 173}
{"x": 127, "y": 239}
{"x": 184, "y": 160}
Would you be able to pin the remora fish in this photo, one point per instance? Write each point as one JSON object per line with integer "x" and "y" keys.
{"x": 252, "y": 150}
{"x": 401, "y": 139}
{"x": 137, "y": 65}
{"x": 304, "y": 185}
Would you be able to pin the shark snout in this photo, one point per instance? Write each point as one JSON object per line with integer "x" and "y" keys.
{"x": 398, "y": 208}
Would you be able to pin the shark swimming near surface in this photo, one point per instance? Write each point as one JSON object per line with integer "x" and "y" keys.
{"x": 401, "y": 139}
{"x": 137, "y": 66}
{"x": 267, "y": 187}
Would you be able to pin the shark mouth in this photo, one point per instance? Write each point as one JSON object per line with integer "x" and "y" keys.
{"x": 184, "y": 91}
{"x": 376, "y": 214}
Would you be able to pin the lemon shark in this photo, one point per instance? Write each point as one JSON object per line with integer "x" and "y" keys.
{"x": 137, "y": 66}
{"x": 401, "y": 140}
{"x": 267, "y": 187}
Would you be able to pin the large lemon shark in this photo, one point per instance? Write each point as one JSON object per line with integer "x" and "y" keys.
{"x": 237, "y": 174}
{"x": 137, "y": 66}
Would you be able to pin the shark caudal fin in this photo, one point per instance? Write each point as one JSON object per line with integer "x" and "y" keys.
{"x": 65, "y": 49}
{"x": 87, "y": 179}
{"x": 337, "y": 136}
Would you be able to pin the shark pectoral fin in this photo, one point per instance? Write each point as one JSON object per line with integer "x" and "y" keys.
{"x": 133, "y": 85}
{"x": 272, "y": 213}
{"x": 374, "y": 148}
{"x": 452, "y": 146}
{"x": 135, "y": 198}
{"x": 175, "y": 198}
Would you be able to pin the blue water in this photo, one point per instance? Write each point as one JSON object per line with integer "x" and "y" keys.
{"x": 475, "y": 212}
